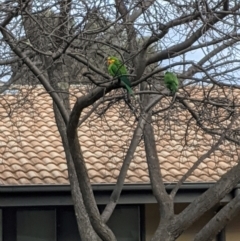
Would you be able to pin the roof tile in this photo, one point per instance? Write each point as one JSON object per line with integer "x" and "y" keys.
{"x": 31, "y": 151}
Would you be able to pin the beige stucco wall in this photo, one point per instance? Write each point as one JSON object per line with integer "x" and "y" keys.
{"x": 233, "y": 229}
{"x": 152, "y": 220}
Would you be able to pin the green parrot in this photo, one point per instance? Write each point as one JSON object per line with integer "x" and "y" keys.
{"x": 171, "y": 81}
{"x": 117, "y": 69}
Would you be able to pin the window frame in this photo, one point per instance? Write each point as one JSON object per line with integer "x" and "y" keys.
{"x": 9, "y": 219}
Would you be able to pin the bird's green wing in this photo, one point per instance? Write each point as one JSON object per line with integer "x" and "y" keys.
{"x": 112, "y": 70}
{"x": 171, "y": 81}
{"x": 122, "y": 70}
{"x": 118, "y": 69}
{"x": 122, "y": 67}
{"x": 123, "y": 76}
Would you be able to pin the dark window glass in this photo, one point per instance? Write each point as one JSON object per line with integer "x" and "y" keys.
{"x": 36, "y": 225}
{"x": 125, "y": 223}
{"x": 1, "y": 234}
{"x": 61, "y": 225}
{"x": 67, "y": 225}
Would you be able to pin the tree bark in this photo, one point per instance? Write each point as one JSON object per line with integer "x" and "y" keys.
{"x": 206, "y": 201}
{"x": 219, "y": 221}
{"x": 123, "y": 172}
{"x": 99, "y": 226}
{"x": 166, "y": 205}
{"x": 85, "y": 228}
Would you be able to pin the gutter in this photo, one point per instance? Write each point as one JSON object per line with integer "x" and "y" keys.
{"x": 60, "y": 195}
{"x": 105, "y": 187}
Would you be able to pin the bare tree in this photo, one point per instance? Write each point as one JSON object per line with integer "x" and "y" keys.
{"x": 61, "y": 42}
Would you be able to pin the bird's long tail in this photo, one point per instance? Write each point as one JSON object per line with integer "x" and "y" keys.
{"x": 125, "y": 81}
{"x": 129, "y": 89}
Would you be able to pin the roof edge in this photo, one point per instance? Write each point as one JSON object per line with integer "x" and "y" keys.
{"x": 101, "y": 187}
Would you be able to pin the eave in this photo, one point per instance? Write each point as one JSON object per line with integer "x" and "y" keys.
{"x": 60, "y": 195}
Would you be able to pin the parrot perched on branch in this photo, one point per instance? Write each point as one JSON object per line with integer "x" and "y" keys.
{"x": 117, "y": 69}
{"x": 171, "y": 81}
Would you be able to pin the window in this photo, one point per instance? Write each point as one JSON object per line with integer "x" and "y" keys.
{"x": 36, "y": 225}
{"x": 1, "y": 225}
{"x": 59, "y": 224}
{"x": 125, "y": 223}
{"x": 67, "y": 229}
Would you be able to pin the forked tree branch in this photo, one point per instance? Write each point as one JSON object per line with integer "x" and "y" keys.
{"x": 201, "y": 159}
{"x": 9, "y": 39}
{"x": 193, "y": 70}
{"x": 168, "y": 53}
{"x": 84, "y": 225}
{"x": 219, "y": 221}
{"x": 136, "y": 138}
{"x": 99, "y": 226}
{"x": 137, "y": 135}
{"x": 206, "y": 201}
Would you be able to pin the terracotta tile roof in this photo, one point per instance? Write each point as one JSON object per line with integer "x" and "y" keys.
{"x": 31, "y": 151}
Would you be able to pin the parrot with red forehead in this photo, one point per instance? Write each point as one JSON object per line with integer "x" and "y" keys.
{"x": 117, "y": 69}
